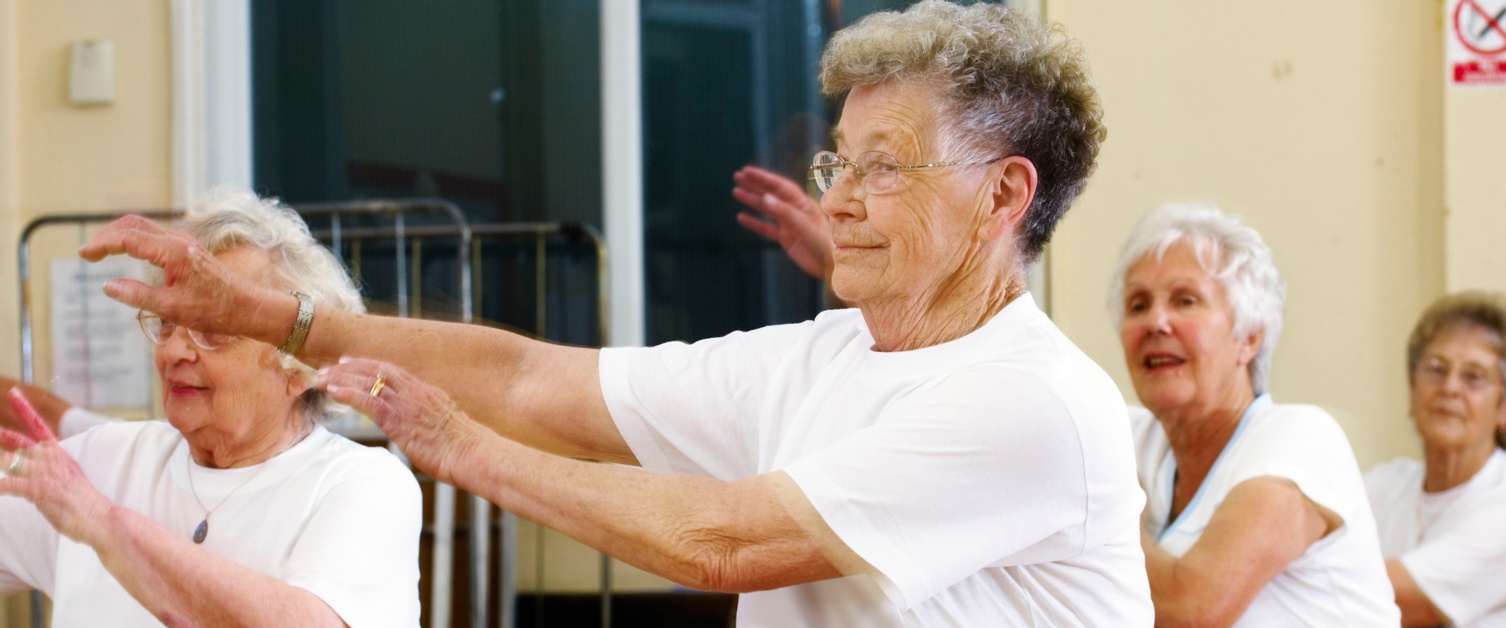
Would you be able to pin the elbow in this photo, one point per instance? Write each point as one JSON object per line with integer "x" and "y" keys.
{"x": 1188, "y": 622}
{"x": 716, "y": 565}
{"x": 707, "y": 557}
{"x": 1191, "y": 618}
{"x": 1195, "y": 609}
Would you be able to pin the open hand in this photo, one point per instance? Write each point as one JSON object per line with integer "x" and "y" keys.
{"x": 422, "y": 419}
{"x": 784, "y": 213}
{"x": 37, "y": 469}
{"x": 197, "y": 292}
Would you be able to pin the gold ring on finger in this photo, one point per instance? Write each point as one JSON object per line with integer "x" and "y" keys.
{"x": 379, "y": 384}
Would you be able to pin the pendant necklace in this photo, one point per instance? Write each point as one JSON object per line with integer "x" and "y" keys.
{"x": 202, "y": 531}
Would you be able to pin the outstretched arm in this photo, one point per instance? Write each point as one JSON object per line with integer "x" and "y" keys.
{"x": 1262, "y": 526}
{"x": 751, "y": 534}
{"x": 543, "y": 395}
{"x": 180, "y": 583}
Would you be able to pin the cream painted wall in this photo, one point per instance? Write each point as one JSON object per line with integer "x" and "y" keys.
{"x": 1319, "y": 122}
{"x": 57, "y": 157}
{"x": 69, "y": 158}
{"x": 10, "y": 182}
{"x": 14, "y": 610}
{"x": 1475, "y": 188}
{"x": 108, "y": 157}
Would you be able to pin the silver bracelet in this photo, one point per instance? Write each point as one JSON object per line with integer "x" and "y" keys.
{"x": 300, "y": 332}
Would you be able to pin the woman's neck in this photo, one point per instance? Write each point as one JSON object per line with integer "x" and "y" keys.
{"x": 1448, "y": 467}
{"x": 1197, "y": 437}
{"x": 231, "y": 455}
{"x": 947, "y": 313}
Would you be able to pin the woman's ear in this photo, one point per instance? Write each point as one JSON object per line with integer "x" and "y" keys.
{"x": 1250, "y": 347}
{"x": 1012, "y": 190}
{"x": 299, "y": 382}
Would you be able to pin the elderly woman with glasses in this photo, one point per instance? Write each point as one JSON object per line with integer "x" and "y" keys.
{"x": 1257, "y": 514}
{"x": 940, "y": 455}
{"x": 240, "y": 509}
{"x": 1442, "y": 521}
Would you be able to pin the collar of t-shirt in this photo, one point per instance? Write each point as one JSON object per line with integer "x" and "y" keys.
{"x": 1260, "y": 403}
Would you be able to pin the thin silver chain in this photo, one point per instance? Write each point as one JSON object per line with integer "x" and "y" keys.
{"x": 188, "y": 467}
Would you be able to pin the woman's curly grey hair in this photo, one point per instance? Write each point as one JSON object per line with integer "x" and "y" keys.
{"x": 228, "y": 217}
{"x": 1008, "y": 84}
{"x": 1228, "y": 251}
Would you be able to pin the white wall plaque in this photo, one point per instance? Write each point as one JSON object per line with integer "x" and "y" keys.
{"x": 99, "y": 357}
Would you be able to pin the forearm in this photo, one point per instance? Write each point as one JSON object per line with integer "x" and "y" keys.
{"x": 544, "y": 395}
{"x": 1262, "y": 525}
{"x": 1181, "y": 596}
{"x": 699, "y": 532}
{"x": 1416, "y": 608}
{"x": 179, "y": 582}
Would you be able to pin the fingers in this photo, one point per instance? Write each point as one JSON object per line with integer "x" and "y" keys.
{"x": 351, "y": 378}
{"x": 27, "y": 415}
{"x": 753, "y": 180}
{"x": 761, "y": 227}
{"x": 762, "y": 181}
{"x": 352, "y": 381}
{"x": 751, "y": 198}
{"x": 14, "y": 440}
{"x": 401, "y": 397}
{"x": 134, "y": 294}
{"x": 133, "y": 235}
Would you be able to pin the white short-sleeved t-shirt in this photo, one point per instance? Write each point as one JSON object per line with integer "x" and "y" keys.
{"x": 1453, "y": 542}
{"x": 78, "y": 420}
{"x": 989, "y": 480}
{"x": 328, "y": 515}
{"x": 1341, "y": 579}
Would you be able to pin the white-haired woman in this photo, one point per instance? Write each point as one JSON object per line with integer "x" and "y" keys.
{"x": 239, "y": 509}
{"x": 1442, "y": 519}
{"x": 940, "y": 455}
{"x": 1257, "y": 514}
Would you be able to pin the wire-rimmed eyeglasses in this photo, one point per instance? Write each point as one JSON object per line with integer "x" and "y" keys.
{"x": 876, "y": 170}
{"x": 159, "y": 331}
{"x": 1435, "y": 371}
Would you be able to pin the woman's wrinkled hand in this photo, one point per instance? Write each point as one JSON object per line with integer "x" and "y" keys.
{"x": 38, "y": 470}
{"x": 422, "y": 419}
{"x": 196, "y": 292}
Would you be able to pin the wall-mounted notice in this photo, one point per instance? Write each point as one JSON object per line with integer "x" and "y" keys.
{"x": 99, "y": 357}
{"x": 1477, "y": 43}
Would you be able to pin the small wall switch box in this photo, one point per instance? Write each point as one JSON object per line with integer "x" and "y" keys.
{"x": 91, "y": 79}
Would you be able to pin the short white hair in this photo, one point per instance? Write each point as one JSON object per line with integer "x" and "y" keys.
{"x": 1245, "y": 268}
{"x": 230, "y": 217}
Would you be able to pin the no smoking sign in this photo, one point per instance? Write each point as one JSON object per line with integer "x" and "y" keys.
{"x": 1477, "y": 43}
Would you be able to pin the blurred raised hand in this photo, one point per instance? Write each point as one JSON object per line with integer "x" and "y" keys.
{"x": 780, "y": 210}
{"x": 38, "y": 470}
